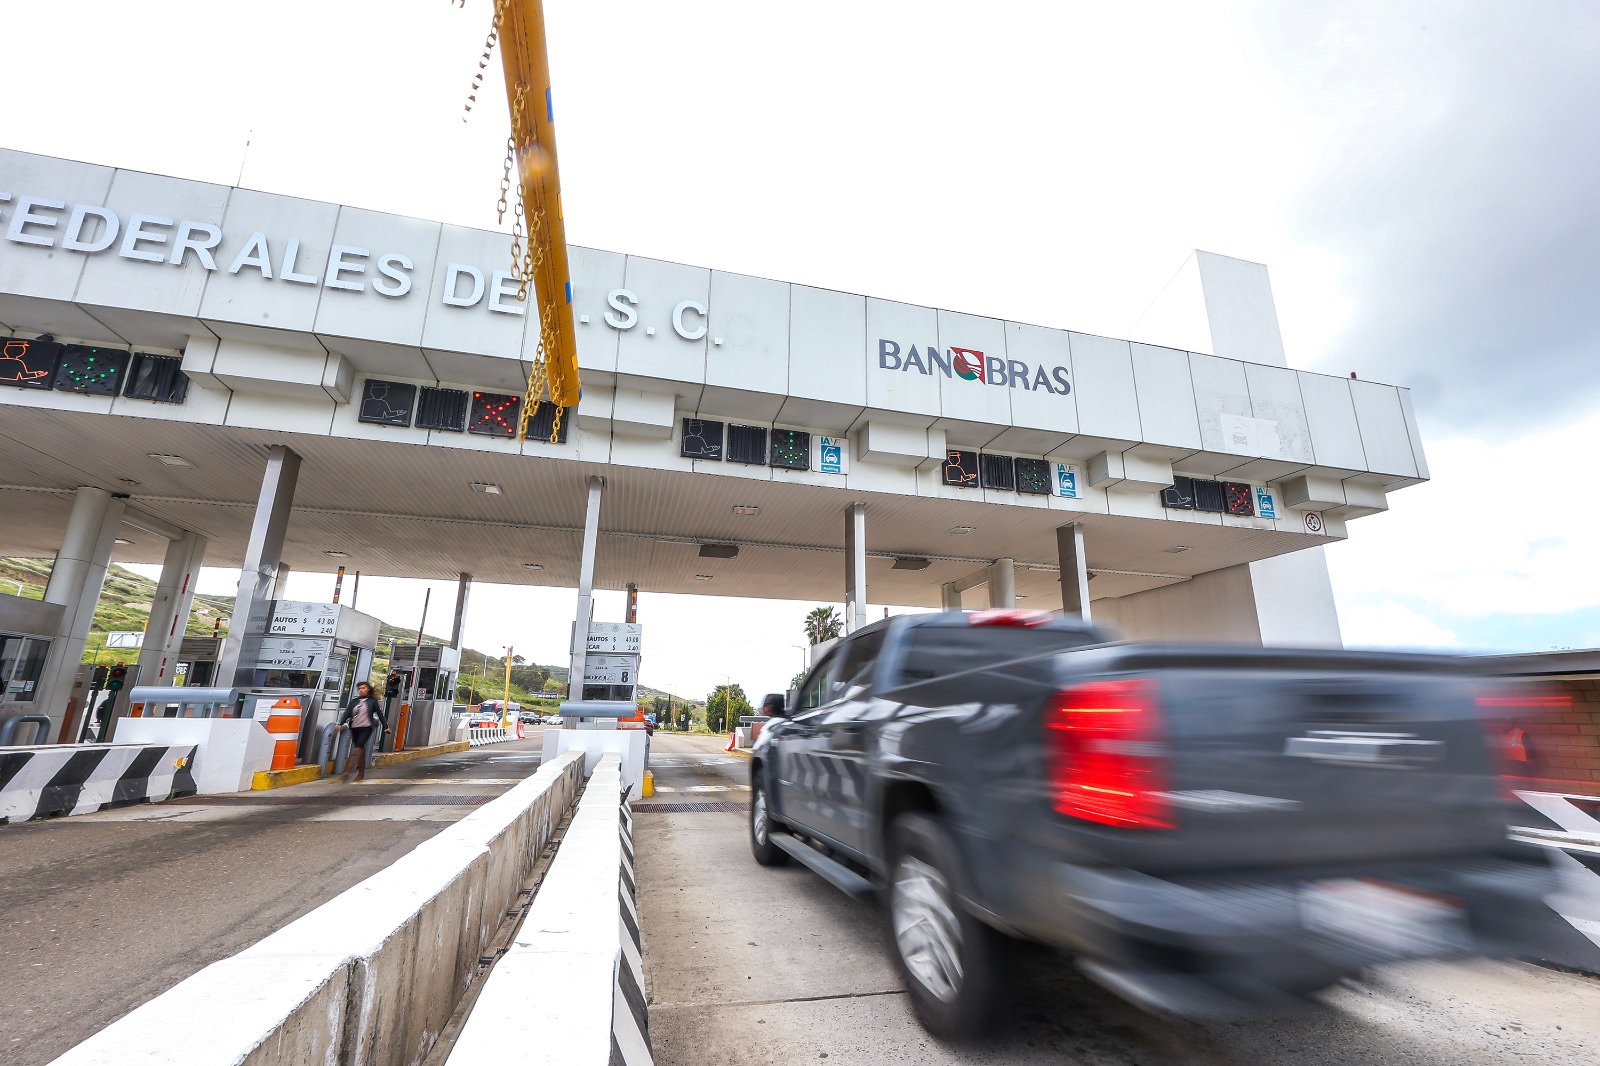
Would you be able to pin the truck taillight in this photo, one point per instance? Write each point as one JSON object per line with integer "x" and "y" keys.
{"x": 1105, "y": 754}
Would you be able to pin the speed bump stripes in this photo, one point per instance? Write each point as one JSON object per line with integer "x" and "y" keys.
{"x": 84, "y": 778}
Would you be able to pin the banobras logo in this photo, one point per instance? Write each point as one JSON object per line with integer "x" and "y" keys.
{"x": 969, "y": 364}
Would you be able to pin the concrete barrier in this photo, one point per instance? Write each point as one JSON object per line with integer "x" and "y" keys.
{"x": 579, "y": 941}
{"x": 369, "y": 977}
{"x": 479, "y": 736}
{"x": 83, "y": 778}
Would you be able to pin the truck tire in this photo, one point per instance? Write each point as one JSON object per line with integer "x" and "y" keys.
{"x": 761, "y": 825}
{"x": 948, "y": 958}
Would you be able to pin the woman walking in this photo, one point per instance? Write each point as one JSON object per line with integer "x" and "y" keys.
{"x": 360, "y": 714}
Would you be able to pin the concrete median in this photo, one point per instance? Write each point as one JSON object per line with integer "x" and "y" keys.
{"x": 369, "y": 977}
{"x": 583, "y": 926}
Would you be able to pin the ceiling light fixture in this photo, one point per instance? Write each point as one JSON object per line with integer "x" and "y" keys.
{"x": 702, "y": 577}
{"x": 488, "y": 488}
{"x": 961, "y": 531}
{"x": 119, "y": 540}
{"x": 1176, "y": 548}
{"x": 1043, "y": 569}
{"x": 719, "y": 551}
{"x": 169, "y": 460}
{"x": 533, "y": 566}
{"x": 908, "y": 562}
{"x": 747, "y": 510}
{"x": 127, "y": 480}
{"x": 335, "y": 554}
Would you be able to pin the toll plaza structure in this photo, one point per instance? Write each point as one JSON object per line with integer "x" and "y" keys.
{"x": 232, "y": 377}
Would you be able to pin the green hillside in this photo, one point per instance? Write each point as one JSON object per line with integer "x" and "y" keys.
{"x": 125, "y": 607}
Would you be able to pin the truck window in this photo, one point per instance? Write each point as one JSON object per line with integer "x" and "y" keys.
{"x": 939, "y": 651}
{"x": 816, "y": 686}
{"x": 855, "y": 671}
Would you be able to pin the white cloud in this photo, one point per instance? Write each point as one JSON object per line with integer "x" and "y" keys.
{"x": 1503, "y": 529}
{"x": 1392, "y": 625}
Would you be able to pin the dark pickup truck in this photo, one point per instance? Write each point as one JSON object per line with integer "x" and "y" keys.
{"x": 1207, "y": 829}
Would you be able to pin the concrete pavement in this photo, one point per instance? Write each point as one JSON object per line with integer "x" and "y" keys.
{"x": 749, "y": 965}
{"x": 104, "y": 911}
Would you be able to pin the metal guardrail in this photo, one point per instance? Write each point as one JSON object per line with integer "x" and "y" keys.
{"x": 41, "y": 733}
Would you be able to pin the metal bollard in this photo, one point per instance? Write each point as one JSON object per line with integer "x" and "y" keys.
{"x": 41, "y": 722}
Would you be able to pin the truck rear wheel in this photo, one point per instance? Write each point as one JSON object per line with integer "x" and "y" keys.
{"x": 947, "y": 957}
{"x": 761, "y": 825}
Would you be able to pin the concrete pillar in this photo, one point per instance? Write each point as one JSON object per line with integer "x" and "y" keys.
{"x": 263, "y": 557}
{"x": 1003, "y": 583}
{"x": 75, "y": 582}
{"x": 1074, "y": 571}
{"x": 585, "y": 612}
{"x": 855, "y": 567}
{"x": 949, "y": 596}
{"x": 463, "y": 589}
{"x": 169, "y": 611}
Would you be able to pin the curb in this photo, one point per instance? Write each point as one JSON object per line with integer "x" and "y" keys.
{"x": 740, "y": 752}
{"x": 266, "y": 779}
{"x": 390, "y": 758}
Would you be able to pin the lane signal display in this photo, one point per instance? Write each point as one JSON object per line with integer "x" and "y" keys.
{"x": 495, "y": 414}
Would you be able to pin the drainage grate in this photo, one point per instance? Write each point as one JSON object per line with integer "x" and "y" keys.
{"x": 343, "y": 800}
{"x": 689, "y": 808}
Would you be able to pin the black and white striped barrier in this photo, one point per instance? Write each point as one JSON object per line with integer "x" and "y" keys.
{"x": 478, "y": 737}
{"x": 581, "y": 934}
{"x": 1572, "y": 838}
{"x": 83, "y": 778}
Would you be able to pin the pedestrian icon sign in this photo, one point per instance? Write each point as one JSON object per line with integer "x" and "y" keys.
{"x": 1265, "y": 507}
{"x": 1067, "y": 481}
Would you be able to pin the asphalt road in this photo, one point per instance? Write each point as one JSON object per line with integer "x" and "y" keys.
{"x": 102, "y": 912}
{"x": 747, "y": 965}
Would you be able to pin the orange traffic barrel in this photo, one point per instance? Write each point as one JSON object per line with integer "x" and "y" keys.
{"x": 283, "y": 723}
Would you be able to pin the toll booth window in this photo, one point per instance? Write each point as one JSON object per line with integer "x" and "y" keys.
{"x": 939, "y": 651}
{"x": 156, "y": 377}
{"x": 21, "y": 661}
{"x": 28, "y": 364}
{"x": 91, "y": 371}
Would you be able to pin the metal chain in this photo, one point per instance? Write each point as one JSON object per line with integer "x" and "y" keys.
{"x": 483, "y": 61}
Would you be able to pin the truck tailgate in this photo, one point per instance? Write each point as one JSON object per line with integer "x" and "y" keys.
{"x": 1268, "y": 763}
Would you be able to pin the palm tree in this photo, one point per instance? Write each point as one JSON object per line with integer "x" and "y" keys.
{"x": 823, "y": 623}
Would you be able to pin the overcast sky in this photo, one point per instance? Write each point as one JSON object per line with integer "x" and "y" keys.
{"x": 1419, "y": 177}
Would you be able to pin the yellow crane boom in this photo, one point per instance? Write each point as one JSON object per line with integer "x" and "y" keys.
{"x": 542, "y": 262}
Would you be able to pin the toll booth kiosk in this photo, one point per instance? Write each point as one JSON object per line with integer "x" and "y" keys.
{"x": 312, "y": 654}
{"x": 317, "y": 648}
{"x": 421, "y": 716}
{"x": 197, "y": 661}
{"x": 26, "y": 629}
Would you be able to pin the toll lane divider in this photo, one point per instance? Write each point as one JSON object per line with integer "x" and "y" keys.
{"x": 578, "y": 937}
{"x": 369, "y": 977}
{"x": 83, "y": 778}
{"x": 479, "y": 737}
